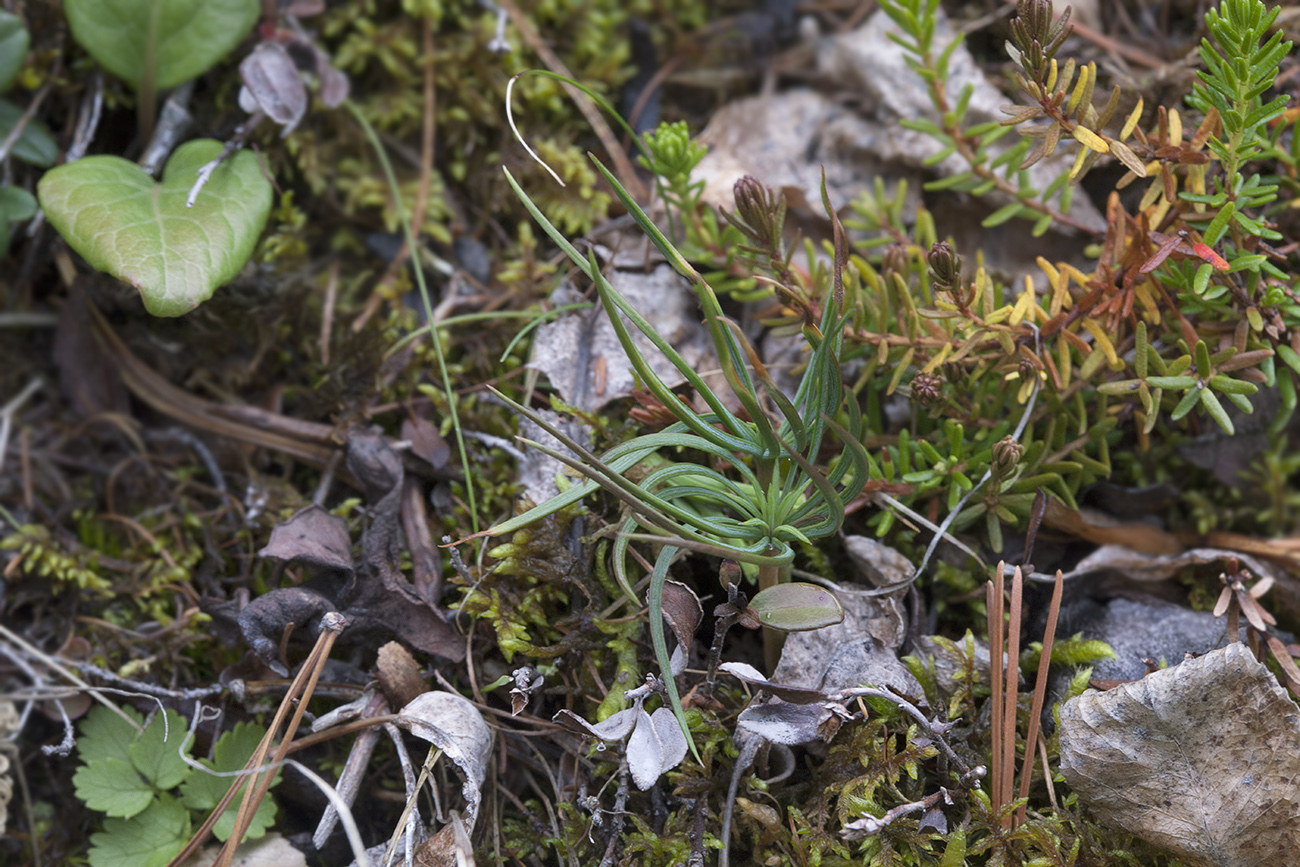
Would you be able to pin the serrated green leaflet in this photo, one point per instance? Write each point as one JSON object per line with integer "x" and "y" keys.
{"x": 156, "y": 754}
{"x": 150, "y": 839}
{"x": 113, "y": 214}
{"x": 113, "y": 786}
{"x": 105, "y": 735}
{"x": 204, "y": 791}
{"x": 169, "y": 40}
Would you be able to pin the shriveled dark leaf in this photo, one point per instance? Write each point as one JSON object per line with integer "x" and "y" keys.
{"x": 683, "y": 611}
{"x": 426, "y": 442}
{"x": 1202, "y": 758}
{"x": 528, "y": 680}
{"x": 312, "y": 536}
{"x": 265, "y": 619}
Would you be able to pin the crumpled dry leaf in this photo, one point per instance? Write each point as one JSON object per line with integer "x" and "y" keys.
{"x": 613, "y": 728}
{"x": 312, "y": 536}
{"x": 374, "y": 595}
{"x": 1202, "y": 759}
{"x": 657, "y": 745}
{"x": 452, "y": 724}
{"x": 272, "y": 84}
{"x": 582, "y": 356}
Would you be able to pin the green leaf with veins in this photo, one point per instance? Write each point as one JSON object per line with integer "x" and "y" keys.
{"x": 204, "y": 791}
{"x": 150, "y": 839}
{"x": 105, "y": 735}
{"x": 157, "y": 753}
{"x": 113, "y": 786}
{"x": 179, "y": 39}
{"x": 112, "y": 213}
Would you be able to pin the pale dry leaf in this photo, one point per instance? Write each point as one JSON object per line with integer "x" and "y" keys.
{"x": 657, "y": 745}
{"x": 1202, "y": 759}
{"x": 614, "y": 728}
{"x": 783, "y": 722}
{"x": 581, "y": 354}
{"x": 452, "y": 723}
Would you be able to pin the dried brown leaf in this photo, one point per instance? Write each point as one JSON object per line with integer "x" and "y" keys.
{"x": 1202, "y": 759}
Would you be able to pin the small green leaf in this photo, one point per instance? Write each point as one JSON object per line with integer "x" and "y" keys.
{"x": 1002, "y": 214}
{"x": 35, "y": 145}
{"x": 1233, "y": 386}
{"x": 17, "y": 204}
{"x": 797, "y": 607}
{"x": 112, "y": 213}
{"x": 1216, "y": 411}
{"x": 1288, "y": 355}
{"x": 1202, "y": 360}
{"x": 181, "y": 39}
{"x": 112, "y": 786}
{"x": 1185, "y": 405}
{"x": 157, "y": 753}
{"x": 105, "y": 735}
{"x": 203, "y": 792}
{"x": 14, "y": 41}
{"x": 150, "y": 839}
{"x": 1174, "y": 382}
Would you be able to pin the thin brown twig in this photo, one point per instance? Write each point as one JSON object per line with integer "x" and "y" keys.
{"x": 994, "y": 612}
{"x": 332, "y": 624}
{"x": 1040, "y": 692}
{"x": 1012, "y": 689}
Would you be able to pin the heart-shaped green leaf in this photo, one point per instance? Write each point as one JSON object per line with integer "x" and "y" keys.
{"x": 797, "y": 607}
{"x": 113, "y": 214}
{"x": 14, "y": 40}
{"x": 178, "y": 39}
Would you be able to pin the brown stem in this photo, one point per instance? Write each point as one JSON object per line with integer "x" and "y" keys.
{"x": 1012, "y": 689}
{"x": 1040, "y": 692}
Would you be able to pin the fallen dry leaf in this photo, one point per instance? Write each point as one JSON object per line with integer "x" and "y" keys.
{"x": 1202, "y": 759}
{"x": 452, "y": 724}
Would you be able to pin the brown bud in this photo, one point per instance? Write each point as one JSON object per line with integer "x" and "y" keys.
{"x": 945, "y": 267}
{"x": 760, "y": 213}
{"x": 896, "y": 260}
{"x": 927, "y": 389}
{"x": 1006, "y": 454}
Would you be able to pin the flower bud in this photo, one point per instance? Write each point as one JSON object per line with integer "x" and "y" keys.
{"x": 945, "y": 267}
{"x": 760, "y": 213}
{"x": 1006, "y": 454}
{"x": 927, "y": 389}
